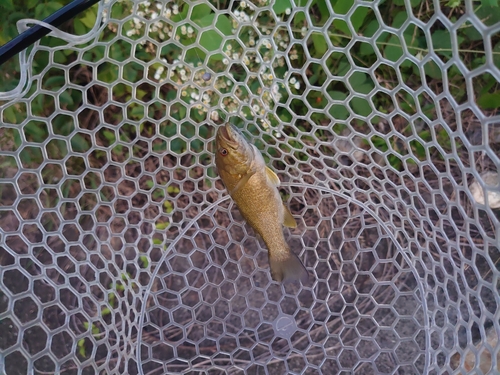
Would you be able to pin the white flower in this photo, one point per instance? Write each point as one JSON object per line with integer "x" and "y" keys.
{"x": 297, "y": 85}
{"x": 288, "y": 11}
{"x": 293, "y": 80}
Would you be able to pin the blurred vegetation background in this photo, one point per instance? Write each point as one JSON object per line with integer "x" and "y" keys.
{"x": 115, "y": 67}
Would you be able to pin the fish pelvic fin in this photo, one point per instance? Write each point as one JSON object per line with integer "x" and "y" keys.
{"x": 288, "y": 220}
{"x": 289, "y": 268}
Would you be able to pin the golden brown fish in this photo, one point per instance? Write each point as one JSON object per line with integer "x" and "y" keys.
{"x": 253, "y": 188}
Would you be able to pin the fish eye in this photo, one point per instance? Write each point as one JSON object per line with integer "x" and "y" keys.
{"x": 223, "y": 152}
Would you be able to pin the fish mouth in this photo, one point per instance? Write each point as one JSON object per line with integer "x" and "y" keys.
{"x": 225, "y": 133}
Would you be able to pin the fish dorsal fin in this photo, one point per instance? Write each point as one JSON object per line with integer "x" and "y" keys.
{"x": 272, "y": 177}
{"x": 288, "y": 220}
{"x": 242, "y": 182}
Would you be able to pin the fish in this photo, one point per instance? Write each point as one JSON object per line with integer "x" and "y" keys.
{"x": 254, "y": 188}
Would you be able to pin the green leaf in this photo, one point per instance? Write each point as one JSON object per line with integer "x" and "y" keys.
{"x": 7, "y": 4}
{"x": 211, "y": 40}
{"x": 36, "y": 131}
{"x": 471, "y": 33}
{"x": 320, "y": 45}
{"x": 9, "y": 115}
{"x": 414, "y": 3}
{"x": 44, "y": 10}
{"x": 89, "y": 18}
{"x": 298, "y": 20}
{"x": 30, "y": 4}
{"x": 162, "y": 226}
{"x": 441, "y": 39}
{"x": 105, "y": 311}
{"x": 55, "y": 82}
{"x": 79, "y": 143}
{"x": 343, "y": 6}
{"x": 371, "y": 28}
{"x": 496, "y": 55}
{"x": 66, "y": 99}
{"x": 393, "y": 50}
{"x": 81, "y": 347}
{"x": 341, "y": 25}
{"x": 360, "y": 106}
{"x": 80, "y": 28}
{"x": 207, "y": 20}
{"x": 224, "y": 25}
{"x": 338, "y": 111}
{"x": 358, "y": 17}
{"x": 280, "y": 6}
{"x": 432, "y": 70}
{"x": 490, "y": 3}
{"x": 323, "y": 10}
{"x": 489, "y": 101}
{"x": 200, "y": 12}
{"x": 361, "y": 83}
{"x": 399, "y": 19}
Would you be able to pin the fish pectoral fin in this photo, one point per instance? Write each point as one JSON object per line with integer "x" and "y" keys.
{"x": 272, "y": 177}
{"x": 242, "y": 182}
{"x": 288, "y": 220}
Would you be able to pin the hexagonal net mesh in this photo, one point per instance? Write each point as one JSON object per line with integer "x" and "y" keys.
{"x": 121, "y": 251}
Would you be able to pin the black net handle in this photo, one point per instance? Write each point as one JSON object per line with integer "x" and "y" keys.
{"x": 35, "y": 33}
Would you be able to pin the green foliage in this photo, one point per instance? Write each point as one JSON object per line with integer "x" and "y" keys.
{"x": 190, "y": 22}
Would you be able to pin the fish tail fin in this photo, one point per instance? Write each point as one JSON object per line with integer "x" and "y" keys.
{"x": 287, "y": 268}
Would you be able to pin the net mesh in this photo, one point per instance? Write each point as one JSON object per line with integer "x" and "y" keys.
{"x": 121, "y": 252}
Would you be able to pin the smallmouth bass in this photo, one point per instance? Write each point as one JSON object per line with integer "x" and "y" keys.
{"x": 253, "y": 187}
